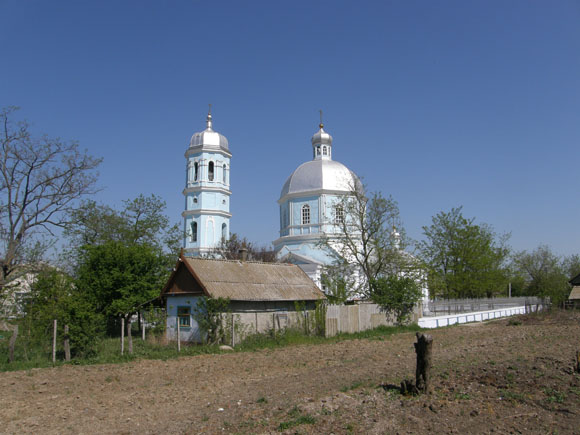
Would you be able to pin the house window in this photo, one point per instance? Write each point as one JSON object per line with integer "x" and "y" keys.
{"x": 195, "y": 171}
{"x": 210, "y": 171}
{"x": 184, "y": 316}
{"x": 305, "y": 214}
{"x": 224, "y": 174}
{"x": 194, "y": 231}
{"x": 338, "y": 214}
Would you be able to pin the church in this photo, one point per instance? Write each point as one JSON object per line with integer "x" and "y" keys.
{"x": 309, "y": 200}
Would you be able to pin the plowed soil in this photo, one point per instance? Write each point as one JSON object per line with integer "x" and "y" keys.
{"x": 494, "y": 377}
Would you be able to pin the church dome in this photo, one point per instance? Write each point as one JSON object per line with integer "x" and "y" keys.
{"x": 321, "y": 137}
{"x": 209, "y": 138}
{"x": 319, "y": 175}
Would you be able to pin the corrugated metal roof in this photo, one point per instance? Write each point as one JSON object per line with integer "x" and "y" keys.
{"x": 250, "y": 281}
{"x": 575, "y": 293}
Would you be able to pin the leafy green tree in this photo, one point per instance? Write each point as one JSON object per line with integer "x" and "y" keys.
{"x": 140, "y": 221}
{"x": 397, "y": 295}
{"x": 209, "y": 314}
{"x": 54, "y": 296}
{"x": 116, "y": 277}
{"x": 465, "y": 260}
{"x": 543, "y": 274}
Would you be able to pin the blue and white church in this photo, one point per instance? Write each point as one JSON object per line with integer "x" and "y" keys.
{"x": 310, "y": 207}
{"x": 206, "y": 218}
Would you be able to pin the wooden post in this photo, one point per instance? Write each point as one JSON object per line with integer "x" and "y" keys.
{"x": 178, "y": 336}
{"x": 274, "y": 322}
{"x": 423, "y": 348}
{"x": 142, "y": 328}
{"x": 233, "y": 331}
{"x": 12, "y": 343}
{"x": 54, "y": 341}
{"x": 122, "y": 335}
{"x": 66, "y": 344}
{"x": 129, "y": 336}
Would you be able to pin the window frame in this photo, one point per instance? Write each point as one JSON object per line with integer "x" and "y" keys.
{"x": 211, "y": 171}
{"x": 194, "y": 232}
{"x": 185, "y": 317}
{"x": 305, "y": 212}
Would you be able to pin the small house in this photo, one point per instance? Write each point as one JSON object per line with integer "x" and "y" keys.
{"x": 263, "y": 296}
{"x": 574, "y": 297}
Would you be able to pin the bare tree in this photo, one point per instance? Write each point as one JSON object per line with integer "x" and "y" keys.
{"x": 41, "y": 180}
{"x": 366, "y": 239}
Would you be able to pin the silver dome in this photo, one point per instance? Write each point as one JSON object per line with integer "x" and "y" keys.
{"x": 321, "y": 137}
{"x": 317, "y": 175}
{"x": 209, "y": 138}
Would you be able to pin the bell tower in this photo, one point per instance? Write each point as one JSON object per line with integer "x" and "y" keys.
{"x": 206, "y": 218}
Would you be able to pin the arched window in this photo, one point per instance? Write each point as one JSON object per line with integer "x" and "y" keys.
{"x": 210, "y": 171}
{"x": 195, "y": 199}
{"x": 317, "y": 151}
{"x": 338, "y": 214}
{"x": 305, "y": 214}
{"x": 324, "y": 150}
{"x": 224, "y": 174}
{"x": 195, "y": 171}
{"x": 194, "y": 231}
{"x": 224, "y": 231}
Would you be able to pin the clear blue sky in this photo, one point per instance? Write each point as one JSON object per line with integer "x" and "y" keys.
{"x": 438, "y": 103}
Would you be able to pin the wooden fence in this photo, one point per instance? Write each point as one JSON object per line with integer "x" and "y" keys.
{"x": 360, "y": 317}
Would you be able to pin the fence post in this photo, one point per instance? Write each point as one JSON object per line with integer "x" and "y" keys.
{"x": 129, "y": 336}
{"x": 122, "y": 335}
{"x": 178, "y": 336}
{"x": 54, "y": 341}
{"x": 142, "y": 327}
{"x": 66, "y": 344}
{"x": 12, "y": 344}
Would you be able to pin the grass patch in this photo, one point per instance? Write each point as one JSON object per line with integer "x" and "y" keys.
{"x": 303, "y": 419}
{"x": 554, "y": 396}
{"x": 28, "y": 355}
{"x": 353, "y": 386}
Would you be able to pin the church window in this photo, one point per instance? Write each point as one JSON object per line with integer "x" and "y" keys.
{"x": 224, "y": 232}
{"x": 195, "y": 171}
{"x": 184, "y": 315}
{"x": 338, "y": 214}
{"x": 194, "y": 231}
{"x": 195, "y": 199}
{"x": 305, "y": 214}
{"x": 210, "y": 171}
{"x": 324, "y": 150}
{"x": 317, "y": 151}
{"x": 224, "y": 174}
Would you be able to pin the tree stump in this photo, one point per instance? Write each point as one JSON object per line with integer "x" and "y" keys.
{"x": 423, "y": 349}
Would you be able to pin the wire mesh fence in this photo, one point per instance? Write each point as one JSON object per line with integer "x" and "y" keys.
{"x": 457, "y": 306}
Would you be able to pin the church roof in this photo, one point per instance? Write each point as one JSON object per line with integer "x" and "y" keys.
{"x": 317, "y": 175}
{"x": 242, "y": 281}
{"x": 209, "y": 138}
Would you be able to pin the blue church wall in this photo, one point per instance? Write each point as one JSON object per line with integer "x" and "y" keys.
{"x": 296, "y": 226}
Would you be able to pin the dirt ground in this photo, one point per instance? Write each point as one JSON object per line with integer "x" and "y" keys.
{"x": 496, "y": 377}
